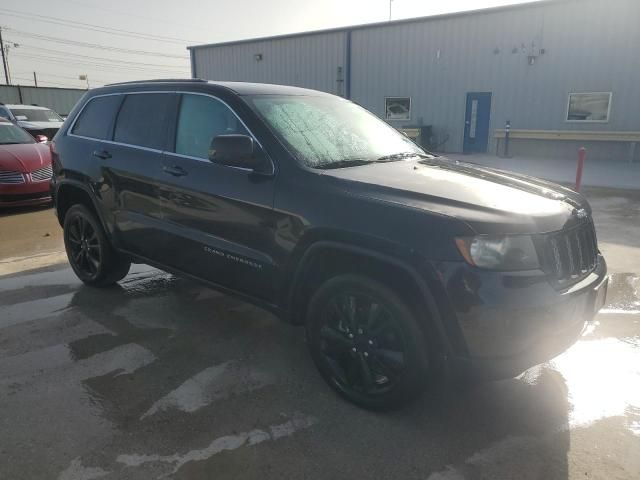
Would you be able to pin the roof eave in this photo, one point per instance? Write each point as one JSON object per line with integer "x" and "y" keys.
{"x": 363, "y": 26}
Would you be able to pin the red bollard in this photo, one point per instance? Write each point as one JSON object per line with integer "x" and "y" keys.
{"x": 582, "y": 154}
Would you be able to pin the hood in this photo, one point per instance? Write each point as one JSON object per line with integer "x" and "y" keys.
{"x": 490, "y": 201}
{"x": 24, "y": 157}
{"x": 39, "y": 125}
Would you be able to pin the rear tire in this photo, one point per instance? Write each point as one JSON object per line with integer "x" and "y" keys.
{"x": 367, "y": 343}
{"x": 90, "y": 253}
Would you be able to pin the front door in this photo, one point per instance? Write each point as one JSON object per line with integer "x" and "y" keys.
{"x": 219, "y": 219}
{"x": 476, "y": 122}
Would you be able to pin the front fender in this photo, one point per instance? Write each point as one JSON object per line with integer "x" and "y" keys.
{"x": 391, "y": 256}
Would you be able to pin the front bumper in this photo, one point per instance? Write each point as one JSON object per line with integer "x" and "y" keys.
{"x": 510, "y": 322}
{"x": 24, "y": 194}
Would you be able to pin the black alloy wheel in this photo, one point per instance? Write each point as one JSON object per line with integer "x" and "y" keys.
{"x": 366, "y": 342}
{"x": 84, "y": 246}
{"x": 90, "y": 254}
{"x": 361, "y": 344}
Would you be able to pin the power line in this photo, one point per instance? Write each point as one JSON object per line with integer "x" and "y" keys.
{"x": 129, "y": 14}
{"x": 66, "y": 41}
{"x": 95, "y": 28}
{"x": 93, "y": 58}
{"x": 128, "y": 65}
{"x": 30, "y": 79}
{"x": 46, "y": 74}
{"x": 59, "y": 61}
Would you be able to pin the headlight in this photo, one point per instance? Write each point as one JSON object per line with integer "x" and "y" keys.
{"x": 516, "y": 252}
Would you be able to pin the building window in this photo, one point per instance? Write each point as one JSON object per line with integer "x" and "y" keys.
{"x": 589, "y": 107}
{"x": 397, "y": 108}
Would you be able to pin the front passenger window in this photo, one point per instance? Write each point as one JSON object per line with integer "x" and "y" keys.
{"x": 199, "y": 121}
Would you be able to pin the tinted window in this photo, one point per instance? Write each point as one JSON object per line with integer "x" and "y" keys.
{"x": 4, "y": 113}
{"x": 96, "y": 117}
{"x": 199, "y": 121}
{"x": 36, "y": 115}
{"x": 142, "y": 120}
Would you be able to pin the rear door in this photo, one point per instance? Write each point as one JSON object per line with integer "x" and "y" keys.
{"x": 133, "y": 168}
{"x": 91, "y": 132}
{"x": 219, "y": 219}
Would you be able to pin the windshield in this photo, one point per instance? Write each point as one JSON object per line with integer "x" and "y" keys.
{"x": 329, "y": 131}
{"x": 10, "y": 134}
{"x": 36, "y": 115}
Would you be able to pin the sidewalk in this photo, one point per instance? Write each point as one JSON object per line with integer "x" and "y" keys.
{"x": 613, "y": 174}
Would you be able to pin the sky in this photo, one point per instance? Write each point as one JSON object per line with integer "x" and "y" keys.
{"x": 124, "y": 40}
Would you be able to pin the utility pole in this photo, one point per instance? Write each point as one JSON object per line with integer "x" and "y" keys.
{"x": 4, "y": 60}
{"x": 6, "y": 56}
{"x": 35, "y": 79}
{"x": 390, "y": 2}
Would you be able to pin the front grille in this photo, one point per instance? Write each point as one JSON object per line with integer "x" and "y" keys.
{"x": 11, "y": 178}
{"x": 571, "y": 254}
{"x": 42, "y": 174}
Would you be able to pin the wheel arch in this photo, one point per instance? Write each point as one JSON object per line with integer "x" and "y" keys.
{"x": 69, "y": 193}
{"x": 324, "y": 258}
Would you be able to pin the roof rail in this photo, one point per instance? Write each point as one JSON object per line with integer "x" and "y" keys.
{"x": 159, "y": 80}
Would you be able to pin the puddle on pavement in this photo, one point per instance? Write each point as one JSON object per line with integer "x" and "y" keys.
{"x": 211, "y": 384}
{"x": 156, "y": 339}
{"x": 623, "y": 296}
{"x": 602, "y": 370}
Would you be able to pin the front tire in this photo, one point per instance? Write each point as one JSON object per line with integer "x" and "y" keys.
{"x": 90, "y": 254}
{"x": 366, "y": 342}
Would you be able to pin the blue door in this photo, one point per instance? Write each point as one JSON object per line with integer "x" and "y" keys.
{"x": 476, "y": 122}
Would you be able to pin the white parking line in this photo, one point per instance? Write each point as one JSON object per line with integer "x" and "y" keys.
{"x": 228, "y": 442}
{"x": 211, "y": 384}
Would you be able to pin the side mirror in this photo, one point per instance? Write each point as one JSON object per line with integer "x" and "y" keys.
{"x": 236, "y": 150}
{"x": 21, "y": 118}
{"x": 41, "y": 139}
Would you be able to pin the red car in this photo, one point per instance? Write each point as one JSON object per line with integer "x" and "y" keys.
{"x": 25, "y": 168}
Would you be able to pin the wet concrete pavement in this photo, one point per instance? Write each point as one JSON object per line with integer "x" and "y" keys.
{"x": 164, "y": 378}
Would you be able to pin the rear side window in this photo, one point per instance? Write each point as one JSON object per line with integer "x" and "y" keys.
{"x": 142, "y": 120}
{"x": 200, "y": 120}
{"x": 96, "y": 117}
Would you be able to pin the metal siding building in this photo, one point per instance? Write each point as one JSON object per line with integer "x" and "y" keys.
{"x": 309, "y": 61}
{"x": 529, "y": 57}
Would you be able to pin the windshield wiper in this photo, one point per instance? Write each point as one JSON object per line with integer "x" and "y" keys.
{"x": 343, "y": 163}
{"x": 359, "y": 161}
{"x": 399, "y": 156}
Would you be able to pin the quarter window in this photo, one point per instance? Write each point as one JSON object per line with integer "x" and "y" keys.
{"x": 142, "y": 120}
{"x": 589, "y": 107}
{"x": 96, "y": 117}
{"x": 200, "y": 120}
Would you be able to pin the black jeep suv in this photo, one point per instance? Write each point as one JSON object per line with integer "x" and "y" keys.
{"x": 401, "y": 264}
